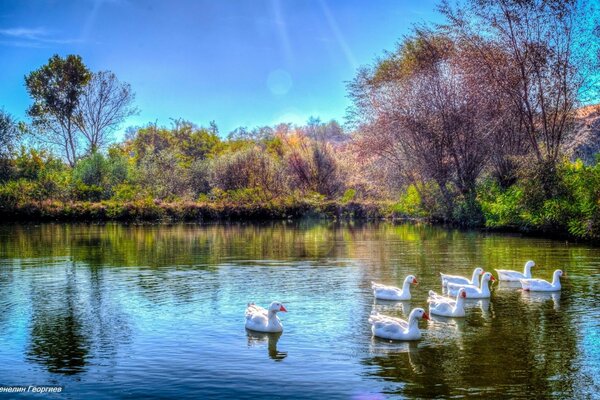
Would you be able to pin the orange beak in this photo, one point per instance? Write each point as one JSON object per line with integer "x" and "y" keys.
{"x": 415, "y": 281}
{"x": 282, "y": 308}
{"x": 493, "y": 279}
{"x": 426, "y": 316}
{"x": 463, "y": 295}
{"x": 482, "y": 272}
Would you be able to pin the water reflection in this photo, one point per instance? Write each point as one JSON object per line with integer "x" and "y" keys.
{"x": 541, "y": 298}
{"x": 57, "y": 336}
{"x": 508, "y": 286}
{"x": 159, "y": 305}
{"x": 260, "y": 338}
{"x": 392, "y": 307}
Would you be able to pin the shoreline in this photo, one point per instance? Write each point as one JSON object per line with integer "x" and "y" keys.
{"x": 155, "y": 211}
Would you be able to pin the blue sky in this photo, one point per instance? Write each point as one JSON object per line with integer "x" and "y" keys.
{"x": 238, "y": 62}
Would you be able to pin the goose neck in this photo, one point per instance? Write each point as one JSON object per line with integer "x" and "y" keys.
{"x": 556, "y": 280}
{"x": 485, "y": 288}
{"x": 475, "y": 277}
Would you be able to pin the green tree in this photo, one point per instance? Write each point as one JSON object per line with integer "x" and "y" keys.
{"x": 8, "y": 136}
{"x": 56, "y": 89}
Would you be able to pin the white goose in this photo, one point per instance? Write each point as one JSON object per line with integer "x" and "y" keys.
{"x": 515, "y": 276}
{"x": 461, "y": 279}
{"x": 473, "y": 292}
{"x": 540, "y": 285}
{"x": 383, "y": 292}
{"x": 445, "y": 306}
{"x": 386, "y": 327}
{"x": 262, "y": 320}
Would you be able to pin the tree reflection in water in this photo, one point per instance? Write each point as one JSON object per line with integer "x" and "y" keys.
{"x": 57, "y": 337}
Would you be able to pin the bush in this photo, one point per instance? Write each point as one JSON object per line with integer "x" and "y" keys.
{"x": 250, "y": 168}
{"x": 410, "y": 204}
{"x": 564, "y": 200}
{"x": 15, "y": 193}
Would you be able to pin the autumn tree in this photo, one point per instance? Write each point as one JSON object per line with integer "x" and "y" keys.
{"x": 422, "y": 109}
{"x": 547, "y": 56}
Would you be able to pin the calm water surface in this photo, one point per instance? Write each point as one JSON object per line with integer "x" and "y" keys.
{"x": 118, "y": 311}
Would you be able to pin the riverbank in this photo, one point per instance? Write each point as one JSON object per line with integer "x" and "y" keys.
{"x": 156, "y": 210}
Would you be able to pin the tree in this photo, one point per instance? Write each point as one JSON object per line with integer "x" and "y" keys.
{"x": 56, "y": 89}
{"x": 312, "y": 165}
{"x": 9, "y": 133}
{"x": 548, "y": 53}
{"x": 424, "y": 110}
{"x": 104, "y": 104}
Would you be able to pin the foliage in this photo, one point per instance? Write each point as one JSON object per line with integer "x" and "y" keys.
{"x": 9, "y": 133}
{"x": 410, "y": 203}
{"x": 56, "y": 89}
{"x": 575, "y": 207}
{"x": 250, "y": 168}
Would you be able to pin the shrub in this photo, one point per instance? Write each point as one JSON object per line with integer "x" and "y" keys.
{"x": 410, "y": 203}
{"x": 250, "y": 168}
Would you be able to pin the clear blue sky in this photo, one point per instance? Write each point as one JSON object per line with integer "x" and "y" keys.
{"x": 238, "y": 62}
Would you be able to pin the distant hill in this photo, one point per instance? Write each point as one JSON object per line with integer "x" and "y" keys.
{"x": 584, "y": 143}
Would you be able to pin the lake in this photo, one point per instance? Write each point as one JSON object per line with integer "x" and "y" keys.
{"x": 157, "y": 311}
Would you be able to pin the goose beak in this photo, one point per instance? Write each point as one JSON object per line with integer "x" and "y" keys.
{"x": 492, "y": 279}
{"x": 426, "y": 316}
{"x": 414, "y": 281}
{"x": 463, "y": 295}
{"x": 282, "y": 308}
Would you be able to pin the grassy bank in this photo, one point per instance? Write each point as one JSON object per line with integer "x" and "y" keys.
{"x": 154, "y": 210}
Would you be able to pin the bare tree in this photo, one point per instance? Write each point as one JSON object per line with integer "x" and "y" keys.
{"x": 423, "y": 109}
{"x": 542, "y": 65}
{"x": 312, "y": 165}
{"x": 104, "y": 104}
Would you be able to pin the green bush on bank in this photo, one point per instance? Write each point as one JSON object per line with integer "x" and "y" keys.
{"x": 573, "y": 205}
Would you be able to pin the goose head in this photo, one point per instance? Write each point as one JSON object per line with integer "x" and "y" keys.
{"x": 487, "y": 277}
{"x": 529, "y": 264}
{"x": 558, "y": 273}
{"x": 410, "y": 279}
{"x": 418, "y": 313}
{"x": 276, "y": 307}
{"x": 478, "y": 271}
{"x": 462, "y": 293}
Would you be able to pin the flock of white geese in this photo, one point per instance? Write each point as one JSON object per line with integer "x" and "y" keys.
{"x": 452, "y": 304}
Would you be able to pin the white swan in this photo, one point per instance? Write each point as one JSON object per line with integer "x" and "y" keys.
{"x": 386, "y": 327}
{"x": 515, "y": 276}
{"x": 383, "y": 292}
{"x": 540, "y": 285}
{"x": 262, "y": 320}
{"x": 473, "y": 292}
{"x": 461, "y": 279}
{"x": 446, "y": 306}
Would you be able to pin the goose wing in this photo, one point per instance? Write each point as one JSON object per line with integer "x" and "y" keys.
{"x": 435, "y": 298}
{"x": 387, "y": 323}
